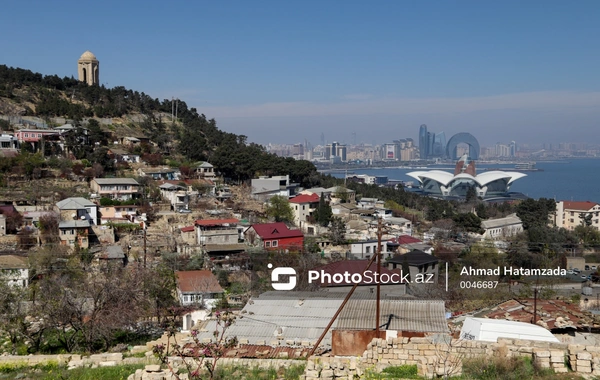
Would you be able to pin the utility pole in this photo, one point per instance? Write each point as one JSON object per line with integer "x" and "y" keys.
{"x": 535, "y": 291}
{"x": 145, "y": 245}
{"x": 377, "y": 313}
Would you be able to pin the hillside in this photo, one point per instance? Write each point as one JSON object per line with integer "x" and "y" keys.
{"x": 119, "y": 112}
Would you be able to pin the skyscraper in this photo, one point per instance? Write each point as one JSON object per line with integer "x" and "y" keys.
{"x": 431, "y": 144}
{"x": 423, "y": 142}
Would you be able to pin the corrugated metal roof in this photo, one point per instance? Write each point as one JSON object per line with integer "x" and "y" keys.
{"x": 401, "y": 315}
{"x": 116, "y": 181}
{"x": 302, "y": 316}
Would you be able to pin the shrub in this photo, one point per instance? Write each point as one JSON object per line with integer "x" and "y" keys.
{"x": 502, "y": 368}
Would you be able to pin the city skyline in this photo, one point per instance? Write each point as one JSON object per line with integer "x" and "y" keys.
{"x": 357, "y": 72}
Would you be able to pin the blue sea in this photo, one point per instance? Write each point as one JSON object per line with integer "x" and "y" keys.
{"x": 573, "y": 179}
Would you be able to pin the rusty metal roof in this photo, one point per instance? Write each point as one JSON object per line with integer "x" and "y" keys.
{"x": 551, "y": 314}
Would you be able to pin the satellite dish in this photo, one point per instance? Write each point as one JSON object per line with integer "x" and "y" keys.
{"x": 82, "y": 217}
{"x": 73, "y": 216}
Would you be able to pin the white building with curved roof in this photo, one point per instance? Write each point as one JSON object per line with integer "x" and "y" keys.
{"x": 489, "y": 184}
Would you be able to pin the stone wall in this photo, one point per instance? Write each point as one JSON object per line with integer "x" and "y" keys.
{"x": 444, "y": 356}
{"x": 154, "y": 372}
{"x": 74, "y": 361}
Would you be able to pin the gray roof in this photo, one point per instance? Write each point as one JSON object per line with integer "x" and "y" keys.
{"x": 402, "y": 315}
{"x": 205, "y": 165}
{"x": 501, "y": 222}
{"x": 396, "y": 220}
{"x": 170, "y": 186}
{"x": 339, "y": 189}
{"x": 74, "y": 224}
{"x": 76, "y": 203}
{"x": 303, "y": 316}
{"x": 116, "y": 181}
{"x": 317, "y": 190}
{"x": 112, "y": 252}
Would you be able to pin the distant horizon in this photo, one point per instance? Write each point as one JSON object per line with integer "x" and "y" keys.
{"x": 282, "y": 71}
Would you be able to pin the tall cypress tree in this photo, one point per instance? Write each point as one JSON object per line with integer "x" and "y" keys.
{"x": 324, "y": 214}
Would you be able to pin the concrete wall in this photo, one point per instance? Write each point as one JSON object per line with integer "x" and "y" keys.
{"x": 445, "y": 357}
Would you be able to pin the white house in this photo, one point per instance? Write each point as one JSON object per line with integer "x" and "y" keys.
{"x": 198, "y": 287}
{"x": 303, "y": 207}
{"x": 568, "y": 214}
{"x": 501, "y": 228}
{"x": 265, "y": 187}
{"x": 366, "y": 249}
{"x": 15, "y": 269}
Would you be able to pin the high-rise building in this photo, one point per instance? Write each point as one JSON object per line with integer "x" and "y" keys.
{"x": 335, "y": 150}
{"x": 513, "y": 148}
{"x": 423, "y": 142}
{"x": 431, "y": 144}
{"x": 341, "y": 152}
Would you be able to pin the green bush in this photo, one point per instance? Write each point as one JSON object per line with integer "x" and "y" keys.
{"x": 404, "y": 371}
{"x": 514, "y": 368}
{"x": 397, "y": 372}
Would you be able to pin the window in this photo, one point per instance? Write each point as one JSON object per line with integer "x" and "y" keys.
{"x": 571, "y": 220}
{"x": 26, "y": 134}
{"x": 268, "y": 244}
{"x": 572, "y": 213}
{"x": 274, "y": 244}
{"x": 303, "y": 207}
{"x": 39, "y": 135}
{"x": 368, "y": 250}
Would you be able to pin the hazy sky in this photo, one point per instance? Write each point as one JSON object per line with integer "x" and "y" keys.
{"x": 285, "y": 71}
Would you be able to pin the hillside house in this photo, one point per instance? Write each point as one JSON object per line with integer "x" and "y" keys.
{"x": 216, "y": 231}
{"x": 205, "y": 170}
{"x": 8, "y": 142}
{"x": 570, "y": 214}
{"x": 265, "y": 187}
{"x": 274, "y": 236}
{"x": 74, "y": 233}
{"x": 367, "y": 248}
{"x": 501, "y": 228}
{"x": 160, "y": 173}
{"x": 77, "y": 208}
{"x": 116, "y": 188}
{"x": 121, "y": 155}
{"x": 198, "y": 287}
{"x": 418, "y": 262}
{"x": 15, "y": 270}
{"x": 118, "y": 214}
{"x": 304, "y": 206}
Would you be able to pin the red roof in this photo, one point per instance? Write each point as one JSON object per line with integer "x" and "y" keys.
{"x": 583, "y": 206}
{"x": 198, "y": 281}
{"x": 352, "y": 267}
{"x": 303, "y": 198}
{"x": 405, "y": 239}
{"x": 215, "y": 222}
{"x": 187, "y": 229}
{"x": 275, "y": 231}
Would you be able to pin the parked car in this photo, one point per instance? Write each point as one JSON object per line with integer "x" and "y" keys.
{"x": 594, "y": 267}
{"x": 587, "y": 267}
{"x": 570, "y": 271}
{"x": 185, "y": 211}
{"x": 576, "y": 270}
